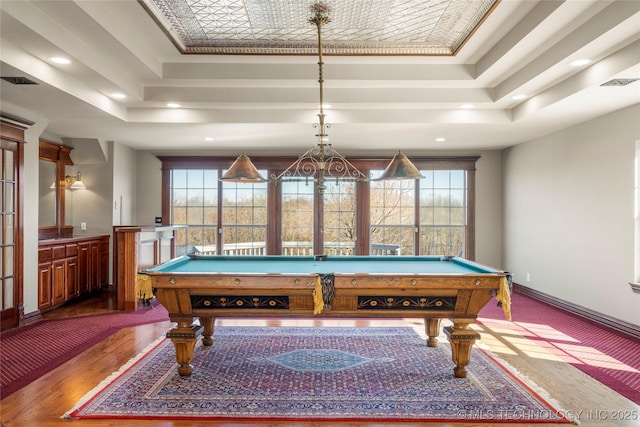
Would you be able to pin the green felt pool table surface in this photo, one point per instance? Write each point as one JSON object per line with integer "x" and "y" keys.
{"x": 332, "y": 265}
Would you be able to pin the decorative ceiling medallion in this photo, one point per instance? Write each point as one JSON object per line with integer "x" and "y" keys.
{"x": 279, "y": 27}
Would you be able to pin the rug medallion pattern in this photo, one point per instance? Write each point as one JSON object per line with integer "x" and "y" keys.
{"x": 316, "y": 374}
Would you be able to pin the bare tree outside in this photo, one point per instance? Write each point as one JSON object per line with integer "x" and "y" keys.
{"x": 442, "y": 212}
{"x": 194, "y": 202}
{"x": 298, "y": 217}
{"x": 340, "y": 218}
{"x": 393, "y": 214}
{"x": 244, "y": 217}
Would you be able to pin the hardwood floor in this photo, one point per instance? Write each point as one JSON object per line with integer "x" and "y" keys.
{"x": 41, "y": 403}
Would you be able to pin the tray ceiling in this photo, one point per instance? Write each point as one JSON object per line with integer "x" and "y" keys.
{"x": 376, "y": 27}
{"x": 511, "y": 79}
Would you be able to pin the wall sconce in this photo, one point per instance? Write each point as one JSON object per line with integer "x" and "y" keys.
{"x": 74, "y": 182}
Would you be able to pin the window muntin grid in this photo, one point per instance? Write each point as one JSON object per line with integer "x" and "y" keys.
{"x": 298, "y": 216}
{"x": 339, "y": 231}
{"x": 194, "y": 200}
{"x": 244, "y": 218}
{"x": 443, "y": 212}
{"x": 392, "y": 216}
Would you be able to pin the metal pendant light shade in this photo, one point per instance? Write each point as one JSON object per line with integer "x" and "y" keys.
{"x": 400, "y": 168}
{"x": 242, "y": 170}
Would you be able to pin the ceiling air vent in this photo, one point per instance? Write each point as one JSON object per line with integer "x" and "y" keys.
{"x": 618, "y": 82}
{"x": 19, "y": 80}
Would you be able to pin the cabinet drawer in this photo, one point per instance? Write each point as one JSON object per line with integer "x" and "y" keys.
{"x": 44, "y": 255}
{"x": 72, "y": 250}
{"x": 58, "y": 252}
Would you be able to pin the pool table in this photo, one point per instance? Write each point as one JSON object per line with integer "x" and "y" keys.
{"x": 427, "y": 287}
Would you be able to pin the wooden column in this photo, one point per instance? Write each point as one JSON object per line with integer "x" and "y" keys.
{"x": 126, "y": 266}
{"x": 137, "y": 248}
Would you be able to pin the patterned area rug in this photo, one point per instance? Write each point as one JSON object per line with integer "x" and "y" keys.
{"x": 323, "y": 374}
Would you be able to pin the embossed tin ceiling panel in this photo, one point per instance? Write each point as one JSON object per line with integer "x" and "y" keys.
{"x": 366, "y": 27}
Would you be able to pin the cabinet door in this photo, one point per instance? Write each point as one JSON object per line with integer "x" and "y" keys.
{"x": 58, "y": 279}
{"x": 83, "y": 268}
{"x": 94, "y": 266}
{"x": 44, "y": 286}
{"x": 72, "y": 278}
{"x": 104, "y": 264}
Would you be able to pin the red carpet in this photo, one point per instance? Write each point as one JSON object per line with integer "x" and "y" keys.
{"x": 609, "y": 357}
{"x": 29, "y": 352}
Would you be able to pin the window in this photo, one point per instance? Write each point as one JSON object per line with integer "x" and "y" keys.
{"x": 441, "y": 224}
{"x": 244, "y": 218}
{"x": 392, "y": 216}
{"x": 442, "y": 212}
{"x": 339, "y": 225}
{"x": 194, "y": 201}
{"x": 235, "y": 212}
{"x": 430, "y": 216}
{"x": 297, "y": 218}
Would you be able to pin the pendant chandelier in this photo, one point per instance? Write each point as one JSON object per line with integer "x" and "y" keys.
{"x": 321, "y": 162}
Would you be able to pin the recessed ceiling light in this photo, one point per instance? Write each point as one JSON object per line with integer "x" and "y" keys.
{"x": 440, "y": 139}
{"x": 208, "y": 139}
{"x": 118, "y": 95}
{"x": 518, "y": 97}
{"x": 173, "y": 105}
{"x": 466, "y": 106}
{"x": 579, "y": 62}
{"x": 60, "y": 60}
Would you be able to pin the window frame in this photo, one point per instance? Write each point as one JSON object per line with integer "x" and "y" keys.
{"x": 275, "y": 165}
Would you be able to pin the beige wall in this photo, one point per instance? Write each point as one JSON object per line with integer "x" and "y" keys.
{"x": 568, "y": 214}
{"x": 124, "y": 184}
{"x": 489, "y": 209}
{"x": 30, "y": 217}
{"x": 149, "y": 188}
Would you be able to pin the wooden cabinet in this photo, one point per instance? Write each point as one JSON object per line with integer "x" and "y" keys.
{"x": 70, "y": 268}
{"x": 59, "y": 273}
{"x": 72, "y": 290}
{"x": 45, "y": 299}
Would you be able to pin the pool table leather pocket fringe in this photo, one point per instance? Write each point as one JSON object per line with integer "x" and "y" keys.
{"x": 504, "y": 296}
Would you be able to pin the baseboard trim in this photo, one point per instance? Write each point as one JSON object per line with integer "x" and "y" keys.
{"x": 599, "y": 318}
{"x": 33, "y": 317}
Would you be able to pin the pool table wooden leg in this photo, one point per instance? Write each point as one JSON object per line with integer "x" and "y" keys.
{"x": 184, "y": 336}
{"x": 207, "y": 322}
{"x": 462, "y": 339}
{"x": 432, "y": 328}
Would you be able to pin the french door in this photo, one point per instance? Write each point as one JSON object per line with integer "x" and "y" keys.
{"x": 11, "y": 250}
